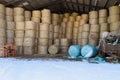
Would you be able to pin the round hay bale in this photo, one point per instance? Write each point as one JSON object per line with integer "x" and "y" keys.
{"x": 43, "y": 42}
{"x": 56, "y": 35}
{"x": 84, "y": 17}
{"x": 95, "y": 28}
{"x": 30, "y": 25}
{"x": 64, "y": 50}
{"x": 55, "y": 17}
{"x": 2, "y": 8}
{"x": 2, "y": 24}
{"x": 28, "y": 50}
{"x": 84, "y": 41}
{"x": 57, "y": 42}
{"x": 74, "y": 14}
{"x": 78, "y": 18}
{"x": 93, "y": 42}
{"x": 10, "y": 33}
{"x": 56, "y": 28}
{"x": 29, "y": 41}
{"x": 19, "y": 18}
{"x": 9, "y": 11}
{"x": 30, "y": 33}
{"x": 85, "y": 34}
{"x": 82, "y": 22}
{"x": 71, "y": 18}
{"x": 113, "y": 10}
{"x": 46, "y": 13}
{"x": 51, "y": 28}
{"x": 36, "y": 13}
{"x": 46, "y": 20}
{"x": 102, "y": 20}
{"x": 53, "y": 49}
{"x": 2, "y": 32}
{"x": 93, "y": 21}
{"x": 104, "y": 27}
{"x": 35, "y": 19}
{"x": 50, "y": 42}
{"x": 10, "y": 25}
{"x": 65, "y": 19}
{"x": 66, "y": 15}
{"x": 102, "y": 13}
{"x": 93, "y": 14}
{"x": 19, "y": 33}
{"x": 18, "y": 11}
{"x": 94, "y": 35}
{"x": 51, "y": 35}
{"x": 20, "y": 25}
{"x": 79, "y": 35}
{"x": 19, "y": 41}
{"x": 44, "y": 27}
{"x": 44, "y": 34}
{"x": 114, "y": 18}
{"x": 114, "y": 26}
{"x": 27, "y": 14}
{"x": 64, "y": 42}
{"x": 76, "y": 24}
{"x": 43, "y": 50}
{"x": 86, "y": 28}
{"x": 9, "y": 18}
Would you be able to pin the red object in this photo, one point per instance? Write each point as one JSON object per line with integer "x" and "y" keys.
{"x": 112, "y": 50}
{"x": 9, "y": 50}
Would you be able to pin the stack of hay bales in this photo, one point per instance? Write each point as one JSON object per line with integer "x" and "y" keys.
{"x": 2, "y": 28}
{"x": 63, "y": 25}
{"x": 56, "y": 31}
{"x": 19, "y": 29}
{"x": 29, "y": 38}
{"x": 94, "y": 28}
{"x": 114, "y": 17}
{"x": 103, "y": 22}
{"x": 19, "y": 36}
{"x": 85, "y": 34}
{"x": 43, "y": 38}
{"x": 9, "y": 14}
{"x": 69, "y": 30}
{"x": 83, "y": 20}
{"x": 51, "y": 34}
{"x": 75, "y": 32}
{"x": 10, "y": 25}
{"x": 18, "y": 14}
{"x": 55, "y": 19}
{"x": 36, "y": 16}
{"x": 27, "y": 15}
{"x": 46, "y": 16}
{"x": 64, "y": 44}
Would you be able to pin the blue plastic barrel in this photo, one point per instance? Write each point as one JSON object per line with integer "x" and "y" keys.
{"x": 74, "y": 51}
{"x": 88, "y": 51}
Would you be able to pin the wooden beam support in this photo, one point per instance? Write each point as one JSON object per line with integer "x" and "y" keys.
{"x": 78, "y": 6}
{"x": 96, "y": 3}
{"x": 83, "y": 6}
{"x": 90, "y": 4}
{"x": 72, "y": 5}
{"x": 106, "y": 2}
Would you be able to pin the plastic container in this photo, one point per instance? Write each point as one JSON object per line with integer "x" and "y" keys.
{"x": 74, "y": 51}
{"x": 88, "y": 51}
